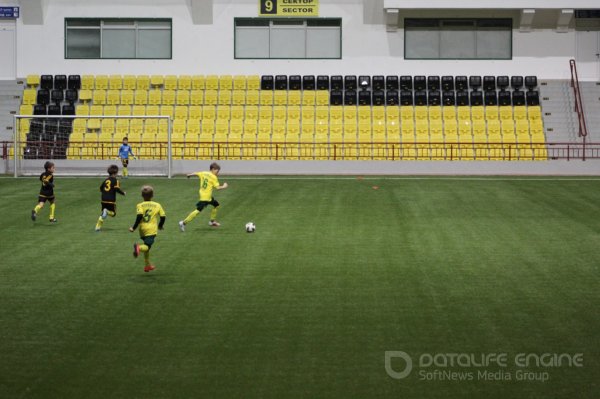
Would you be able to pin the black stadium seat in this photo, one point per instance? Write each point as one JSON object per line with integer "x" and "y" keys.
{"x": 433, "y": 83}
{"x": 462, "y": 98}
{"x": 336, "y": 97}
{"x": 364, "y": 97}
{"x": 406, "y": 83}
{"x": 308, "y": 82}
{"x": 60, "y": 82}
{"x": 489, "y": 83}
{"x": 350, "y": 82}
{"x": 391, "y": 97}
{"x": 406, "y": 97}
{"x": 337, "y": 82}
{"x": 434, "y": 97}
{"x": 518, "y": 97}
{"x": 322, "y": 82}
{"x": 421, "y": 97}
{"x": 420, "y": 83}
{"x": 447, "y": 83}
{"x": 476, "y": 98}
{"x": 43, "y": 97}
{"x": 448, "y": 97}
{"x": 281, "y": 82}
{"x": 516, "y": 82}
{"x": 295, "y": 82}
{"x": 350, "y": 97}
{"x": 491, "y": 98}
{"x": 391, "y": 83}
{"x": 364, "y": 82}
{"x": 378, "y": 82}
{"x": 74, "y": 82}
{"x": 531, "y": 82}
{"x": 502, "y": 82}
{"x": 474, "y": 82}
{"x": 266, "y": 82}
{"x": 461, "y": 83}
{"x": 532, "y": 97}
{"x": 47, "y": 82}
{"x": 504, "y": 98}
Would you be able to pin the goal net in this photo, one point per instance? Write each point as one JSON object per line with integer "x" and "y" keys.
{"x": 86, "y": 145}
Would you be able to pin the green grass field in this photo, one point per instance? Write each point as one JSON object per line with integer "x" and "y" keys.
{"x": 336, "y": 274}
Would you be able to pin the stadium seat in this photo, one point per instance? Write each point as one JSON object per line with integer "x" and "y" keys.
{"x": 322, "y": 82}
{"x": 101, "y": 83}
{"x": 99, "y": 97}
{"x": 420, "y": 83}
{"x": 267, "y": 82}
{"x": 433, "y": 83}
{"x": 47, "y": 82}
{"x": 391, "y": 97}
{"x": 516, "y": 82}
{"x": 157, "y": 81}
{"x": 406, "y": 83}
{"x": 447, "y": 83}
{"x": 336, "y": 82}
{"x": 392, "y": 83}
{"x": 461, "y": 83}
{"x": 32, "y": 80}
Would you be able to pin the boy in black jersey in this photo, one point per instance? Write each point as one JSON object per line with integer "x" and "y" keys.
{"x": 46, "y": 192}
{"x": 109, "y": 189}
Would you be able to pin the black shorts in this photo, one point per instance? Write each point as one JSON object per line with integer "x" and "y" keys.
{"x": 125, "y": 162}
{"x": 109, "y": 206}
{"x": 203, "y": 204}
{"x": 148, "y": 240}
{"x": 43, "y": 198}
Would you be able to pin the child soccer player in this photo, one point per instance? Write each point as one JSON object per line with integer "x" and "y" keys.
{"x": 208, "y": 181}
{"x": 109, "y": 189}
{"x": 46, "y": 192}
{"x": 148, "y": 213}
{"x": 124, "y": 151}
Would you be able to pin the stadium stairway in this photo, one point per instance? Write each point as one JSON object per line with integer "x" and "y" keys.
{"x": 558, "y": 107}
{"x": 10, "y": 99}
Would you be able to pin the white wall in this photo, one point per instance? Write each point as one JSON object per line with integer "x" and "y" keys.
{"x": 208, "y": 49}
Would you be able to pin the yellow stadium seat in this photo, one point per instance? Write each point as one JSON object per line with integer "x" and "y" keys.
{"x": 30, "y": 96}
{"x": 308, "y": 112}
{"x": 124, "y": 110}
{"x": 238, "y": 97}
{"x": 198, "y": 82}
{"x": 129, "y": 82}
{"x": 87, "y": 82}
{"x": 280, "y": 97}
{"x": 110, "y": 110}
{"x": 182, "y": 97}
{"x": 115, "y": 82}
{"x": 197, "y": 97}
{"x": 520, "y": 112}
{"x": 93, "y": 124}
{"x": 108, "y": 128}
{"x": 223, "y": 112}
{"x": 253, "y": 82}
{"x": 294, "y": 97}
{"x": 266, "y": 97}
{"x": 113, "y": 97}
{"x": 225, "y": 82}
{"x": 322, "y": 97}
{"x": 142, "y": 82}
{"x": 127, "y": 97}
{"x": 166, "y": 110}
{"x": 280, "y": 112}
{"x": 251, "y": 112}
{"x": 293, "y": 112}
{"x": 209, "y": 112}
{"x": 491, "y": 112}
{"x": 239, "y": 82}
{"x": 265, "y": 113}
{"x": 96, "y": 110}
{"x": 211, "y": 97}
{"x": 27, "y": 109}
{"x": 193, "y": 128}
{"x": 392, "y": 113}
{"x": 508, "y": 131}
{"x": 237, "y": 112}
{"x": 168, "y": 97}
{"x": 336, "y": 113}
{"x": 224, "y": 97}
{"x": 184, "y": 82}
{"x": 195, "y": 112}
{"x": 435, "y": 112}
{"x": 170, "y": 82}
{"x": 139, "y": 110}
{"x": 421, "y": 113}
{"x": 208, "y": 127}
{"x": 534, "y": 113}
{"x": 33, "y": 80}
{"x": 364, "y": 114}
{"x": 463, "y": 113}
{"x": 479, "y": 113}
{"x": 122, "y": 127}
{"x": 211, "y": 82}
{"x": 252, "y": 97}
{"x": 101, "y": 82}
{"x": 152, "y": 110}
{"x": 99, "y": 97}
{"x": 392, "y": 129}
{"x": 506, "y": 113}
{"x": 136, "y": 128}
{"x": 157, "y": 80}
{"x": 406, "y": 113}
{"x": 378, "y": 113}
{"x": 82, "y": 110}
{"x": 322, "y": 113}
{"x": 140, "y": 97}
{"x": 309, "y": 97}
{"x": 449, "y": 112}
{"x": 350, "y": 113}
{"x": 155, "y": 97}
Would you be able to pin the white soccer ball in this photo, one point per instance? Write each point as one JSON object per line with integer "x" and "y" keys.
{"x": 250, "y": 227}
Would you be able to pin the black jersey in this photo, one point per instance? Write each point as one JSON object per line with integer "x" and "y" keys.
{"x": 47, "y": 189}
{"x": 109, "y": 189}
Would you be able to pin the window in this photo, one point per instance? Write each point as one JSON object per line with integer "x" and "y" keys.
{"x": 458, "y": 39}
{"x": 288, "y": 38}
{"x": 118, "y": 38}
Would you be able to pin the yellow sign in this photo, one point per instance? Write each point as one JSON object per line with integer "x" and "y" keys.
{"x": 288, "y": 8}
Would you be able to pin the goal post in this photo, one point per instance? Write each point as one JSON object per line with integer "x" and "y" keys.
{"x": 84, "y": 145}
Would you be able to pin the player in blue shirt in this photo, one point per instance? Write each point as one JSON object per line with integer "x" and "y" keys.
{"x": 124, "y": 152}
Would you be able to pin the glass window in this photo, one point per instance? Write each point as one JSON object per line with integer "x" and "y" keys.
{"x": 288, "y": 38}
{"x": 458, "y": 38}
{"x": 118, "y": 38}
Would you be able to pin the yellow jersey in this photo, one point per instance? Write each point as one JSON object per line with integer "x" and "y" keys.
{"x": 208, "y": 181}
{"x": 151, "y": 212}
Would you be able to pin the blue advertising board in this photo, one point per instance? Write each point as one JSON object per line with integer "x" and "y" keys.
{"x": 9, "y": 12}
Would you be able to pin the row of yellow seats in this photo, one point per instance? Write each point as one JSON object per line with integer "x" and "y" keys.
{"x": 171, "y": 82}
{"x": 199, "y": 97}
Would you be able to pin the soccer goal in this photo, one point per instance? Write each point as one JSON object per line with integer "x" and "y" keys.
{"x": 84, "y": 145}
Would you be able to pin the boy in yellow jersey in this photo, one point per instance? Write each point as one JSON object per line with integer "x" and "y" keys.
{"x": 148, "y": 214}
{"x": 46, "y": 192}
{"x": 208, "y": 182}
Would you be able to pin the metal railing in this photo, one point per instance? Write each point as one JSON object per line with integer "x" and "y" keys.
{"x": 333, "y": 151}
{"x": 578, "y": 104}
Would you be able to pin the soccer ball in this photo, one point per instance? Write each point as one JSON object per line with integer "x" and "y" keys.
{"x": 250, "y": 227}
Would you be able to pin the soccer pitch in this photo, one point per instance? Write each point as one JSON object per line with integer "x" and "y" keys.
{"x": 339, "y": 272}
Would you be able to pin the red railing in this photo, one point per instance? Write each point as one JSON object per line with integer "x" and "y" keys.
{"x": 578, "y": 103}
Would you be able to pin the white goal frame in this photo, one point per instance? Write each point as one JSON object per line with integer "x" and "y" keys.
{"x": 92, "y": 165}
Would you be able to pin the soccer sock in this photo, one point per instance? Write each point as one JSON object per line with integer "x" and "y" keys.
{"x": 37, "y": 208}
{"x": 52, "y": 208}
{"x": 99, "y": 224}
{"x": 191, "y": 216}
{"x": 111, "y": 214}
{"x": 213, "y": 213}
{"x": 147, "y": 258}
{"x": 125, "y": 173}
